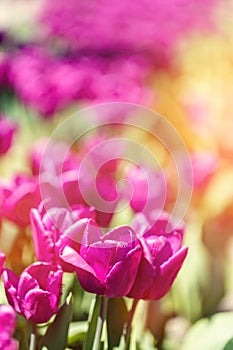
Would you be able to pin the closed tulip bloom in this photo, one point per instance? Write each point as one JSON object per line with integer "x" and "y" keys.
{"x": 52, "y": 229}
{"x": 149, "y": 188}
{"x": 18, "y": 197}
{"x": 7, "y": 327}
{"x": 161, "y": 260}
{"x": 106, "y": 265}
{"x": 36, "y": 293}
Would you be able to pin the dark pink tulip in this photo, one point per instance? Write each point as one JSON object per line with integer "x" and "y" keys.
{"x": 54, "y": 82}
{"x": 161, "y": 260}
{"x": 7, "y": 327}
{"x": 106, "y": 265}
{"x": 18, "y": 197}
{"x": 2, "y": 260}
{"x": 36, "y": 293}
{"x": 53, "y": 229}
{"x": 150, "y": 26}
{"x": 7, "y": 130}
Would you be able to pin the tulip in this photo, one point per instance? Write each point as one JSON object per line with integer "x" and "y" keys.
{"x": 2, "y": 260}
{"x": 18, "y": 197}
{"x": 36, "y": 293}
{"x": 149, "y": 188}
{"x": 106, "y": 265}
{"x": 161, "y": 260}
{"x": 51, "y": 231}
{"x": 7, "y": 130}
{"x": 64, "y": 191}
{"x": 52, "y": 157}
{"x": 7, "y": 327}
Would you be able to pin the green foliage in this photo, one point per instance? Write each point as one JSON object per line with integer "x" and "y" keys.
{"x": 56, "y": 335}
{"x": 92, "y": 325}
{"x": 215, "y": 333}
{"x": 116, "y": 319}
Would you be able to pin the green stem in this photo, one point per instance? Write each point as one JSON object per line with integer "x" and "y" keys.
{"x": 100, "y": 323}
{"x": 33, "y": 338}
{"x": 129, "y": 324}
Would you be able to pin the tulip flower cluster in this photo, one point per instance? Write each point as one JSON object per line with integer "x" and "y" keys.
{"x": 140, "y": 260}
{"x": 121, "y": 263}
{"x": 94, "y": 204}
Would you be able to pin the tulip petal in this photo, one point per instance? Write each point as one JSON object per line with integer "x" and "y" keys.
{"x": 11, "y": 281}
{"x": 86, "y": 275}
{"x": 121, "y": 234}
{"x": 43, "y": 244}
{"x": 156, "y": 287}
{"x": 121, "y": 277}
{"x": 38, "y": 306}
{"x": 2, "y": 260}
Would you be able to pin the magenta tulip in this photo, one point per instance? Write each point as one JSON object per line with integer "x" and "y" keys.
{"x": 52, "y": 230}
{"x": 106, "y": 265}
{"x": 149, "y": 188}
{"x": 18, "y": 197}
{"x": 52, "y": 157}
{"x": 7, "y": 327}
{"x": 161, "y": 260}
{"x": 2, "y": 260}
{"x": 36, "y": 293}
{"x": 7, "y": 130}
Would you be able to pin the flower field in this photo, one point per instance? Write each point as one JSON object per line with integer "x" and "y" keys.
{"x": 116, "y": 197}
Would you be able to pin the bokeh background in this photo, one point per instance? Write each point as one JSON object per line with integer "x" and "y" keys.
{"x": 173, "y": 56}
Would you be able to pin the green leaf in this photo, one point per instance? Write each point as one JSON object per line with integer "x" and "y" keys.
{"x": 229, "y": 345}
{"x": 92, "y": 325}
{"x": 213, "y": 333}
{"x": 116, "y": 318}
{"x": 56, "y": 335}
{"x": 77, "y": 333}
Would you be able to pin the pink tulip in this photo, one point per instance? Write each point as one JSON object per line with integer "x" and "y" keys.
{"x": 54, "y": 157}
{"x": 52, "y": 230}
{"x": 7, "y": 130}
{"x": 204, "y": 164}
{"x": 161, "y": 260}
{"x": 106, "y": 265}
{"x": 149, "y": 188}
{"x": 148, "y": 26}
{"x": 7, "y": 327}
{"x": 36, "y": 293}
{"x": 2, "y": 260}
{"x": 18, "y": 197}
{"x": 64, "y": 191}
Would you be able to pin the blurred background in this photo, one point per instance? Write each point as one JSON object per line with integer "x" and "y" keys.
{"x": 174, "y": 56}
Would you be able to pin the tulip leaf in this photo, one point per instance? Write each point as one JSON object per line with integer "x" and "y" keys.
{"x": 116, "y": 318}
{"x": 56, "y": 336}
{"x": 88, "y": 345}
{"x": 229, "y": 345}
{"x": 211, "y": 333}
{"x": 77, "y": 333}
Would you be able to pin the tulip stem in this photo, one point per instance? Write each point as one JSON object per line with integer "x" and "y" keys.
{"x": 129, "y": 324}
{"x": 100, "y": 322}
{"x": 33, "y": 338}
